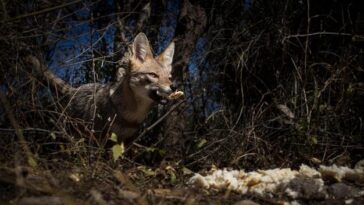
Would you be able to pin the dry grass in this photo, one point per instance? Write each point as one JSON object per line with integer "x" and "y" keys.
{"x": 286, "y": 79}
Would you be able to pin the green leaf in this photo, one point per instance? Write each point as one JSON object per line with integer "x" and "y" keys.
{"x": 172, "y": 176}
{"x": 53, "y": 136}
{"x": 186, "y": 171}
{"x": 162, "y": 152}
{"x": 114, "y": 137}
{"x": 147, "y": 171}
{"x": 117, "y": 151}
{"x": 32, "y": 162}
{"x": 313, "y": 140}
{"x": 201, "y": 143}
{"x": 99, "y": 116}
{"x": 150, "y": 149}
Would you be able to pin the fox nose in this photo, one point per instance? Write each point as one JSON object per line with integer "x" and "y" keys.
{"x": 173, "y": 87}
{"x": 167, "y": 90}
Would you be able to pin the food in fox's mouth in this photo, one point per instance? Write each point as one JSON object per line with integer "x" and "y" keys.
{"x": 176, "y": 95}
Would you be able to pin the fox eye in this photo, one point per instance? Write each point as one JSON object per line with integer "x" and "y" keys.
{"x": 153, "y": 75}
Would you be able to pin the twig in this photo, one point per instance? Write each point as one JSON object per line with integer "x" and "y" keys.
{"x": 3, "y": 7}
{"x": 143, "y": 17}
{"x": 305, "y": 61}
{"x": 316, "y": 34}
{"x": 18, "y": 130}
{"x": 146, "y": 130}
{"x": 41, "y": 11}
{"x": 30, "y": 129}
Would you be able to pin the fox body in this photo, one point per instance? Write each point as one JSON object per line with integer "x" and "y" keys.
{"x": 119, "y": 107}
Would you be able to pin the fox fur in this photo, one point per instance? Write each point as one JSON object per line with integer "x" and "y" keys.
{"x": 119, "y": 107}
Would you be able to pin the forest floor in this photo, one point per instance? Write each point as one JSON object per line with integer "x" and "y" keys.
{"x": 63, "y": 182}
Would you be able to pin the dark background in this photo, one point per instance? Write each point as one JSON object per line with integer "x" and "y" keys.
{"x": 267, "y": 83}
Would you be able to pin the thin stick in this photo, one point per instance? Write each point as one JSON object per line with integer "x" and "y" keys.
{"x": 18, "y": 130}
{"x": 41, "y": 11}
{"x": 146, "y": 130}
{"x": 322, "y": 33}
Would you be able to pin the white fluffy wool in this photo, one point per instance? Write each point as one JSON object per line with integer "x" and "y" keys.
{"x": 260, "y": 182}
{"x": 309, "y": 171}
{"x": 295, "y": 184}
{"x": 340, "y": 173}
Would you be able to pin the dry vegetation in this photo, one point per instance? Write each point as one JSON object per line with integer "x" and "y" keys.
{"x": 274, "y": 85}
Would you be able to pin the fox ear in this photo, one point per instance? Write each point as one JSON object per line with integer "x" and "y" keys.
{"x": 141, "y": 48}
{"x": 167, "y": 56}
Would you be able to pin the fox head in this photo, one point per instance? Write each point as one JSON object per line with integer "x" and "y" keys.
{"x": 150, "y": 77}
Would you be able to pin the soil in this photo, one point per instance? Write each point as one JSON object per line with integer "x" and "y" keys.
{"x": 122, "y": 182}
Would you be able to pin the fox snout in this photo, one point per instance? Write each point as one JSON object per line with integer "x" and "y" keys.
{"x": 161, "y": 94}
{"x": 165, "y": 91}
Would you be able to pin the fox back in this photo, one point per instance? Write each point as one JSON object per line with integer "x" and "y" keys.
{"x": 119, "y": 107}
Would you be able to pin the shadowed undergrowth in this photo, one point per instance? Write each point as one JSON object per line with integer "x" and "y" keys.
{"x": 273, "y": 85}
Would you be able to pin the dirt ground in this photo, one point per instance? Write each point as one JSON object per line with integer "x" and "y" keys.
{"x": 104, "y": 182}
